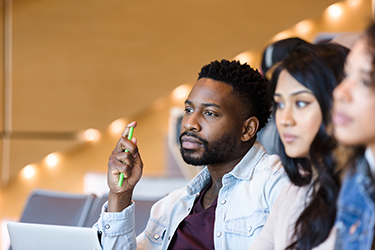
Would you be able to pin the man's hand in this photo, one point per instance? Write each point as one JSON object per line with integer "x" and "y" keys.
{"x": 128, "y": 163}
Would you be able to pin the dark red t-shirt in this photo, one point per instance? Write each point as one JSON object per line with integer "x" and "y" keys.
{"x": 196, "y": 231}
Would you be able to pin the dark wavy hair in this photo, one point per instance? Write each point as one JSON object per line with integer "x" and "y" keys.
{"x": 248, "y": 86}
{"x": 318, "y": 68}
{"x": 370, "y": 39}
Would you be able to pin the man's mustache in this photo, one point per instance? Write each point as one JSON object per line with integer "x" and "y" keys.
{"x": 203, "y": 141}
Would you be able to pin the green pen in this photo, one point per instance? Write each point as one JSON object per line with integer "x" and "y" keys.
{"x": 121, "y": 178}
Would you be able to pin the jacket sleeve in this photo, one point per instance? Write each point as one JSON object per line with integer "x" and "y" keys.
{"x": 277, "y": 181}
{"x": 275, "y": 186}
{"x": 266, "y": 238}
{"x": 117, "y": 230}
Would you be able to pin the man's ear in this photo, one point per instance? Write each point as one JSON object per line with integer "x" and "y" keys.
{"x": 250, "y": 128}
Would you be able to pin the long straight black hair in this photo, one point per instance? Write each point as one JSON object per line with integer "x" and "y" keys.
{"x": 318, "y": 68}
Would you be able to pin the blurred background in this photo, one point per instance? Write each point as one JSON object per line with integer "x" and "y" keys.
{"x": 74, "y": 72}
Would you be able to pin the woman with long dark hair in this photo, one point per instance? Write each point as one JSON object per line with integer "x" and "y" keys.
{"x": 354, "y": 119}
{"x": 304, "y": 213}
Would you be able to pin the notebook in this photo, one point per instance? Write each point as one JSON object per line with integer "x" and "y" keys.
{"x": 29, "y": 236}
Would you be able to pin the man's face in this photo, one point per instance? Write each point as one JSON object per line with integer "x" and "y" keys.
{"x": 212, "y": 126}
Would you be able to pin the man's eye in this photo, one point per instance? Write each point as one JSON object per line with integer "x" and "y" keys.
{"x": 188, "y": 110}
{"x": 209, "y": 113}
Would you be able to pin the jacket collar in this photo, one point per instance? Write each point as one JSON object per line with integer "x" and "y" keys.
{"x": 243, "y": 170}
{"x": 364, "y": 177}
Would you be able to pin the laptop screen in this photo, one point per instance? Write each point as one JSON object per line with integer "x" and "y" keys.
{"x": 29, "y": 236}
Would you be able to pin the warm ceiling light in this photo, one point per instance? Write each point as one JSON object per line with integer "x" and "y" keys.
{"x": 335, "y": 10}
{"x": 304, "y": 27}
{"x": 181, "y": 92}
{"x": 29, "y": 171}
{"x": 282, "y": 35}
{"x": 117, "y": 126}
{"x": 91, "y": 134}
{"x": 245, "y": 57}
{"x": 353, "y": 3}
{"x": 52, "y": 159}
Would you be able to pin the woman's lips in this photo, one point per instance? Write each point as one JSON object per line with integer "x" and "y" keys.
{"x": 289, "y": 138}
{"x": 339, "y": 118}
{"x": 190, "y": 142}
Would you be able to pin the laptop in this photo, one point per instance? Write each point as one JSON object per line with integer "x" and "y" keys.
{"x": 30, "y": 236}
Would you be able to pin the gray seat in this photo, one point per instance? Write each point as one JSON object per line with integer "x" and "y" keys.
{"x": 142, "y": 212}
{"x": 95, "y": 210}
{"x": 57, "y": 208}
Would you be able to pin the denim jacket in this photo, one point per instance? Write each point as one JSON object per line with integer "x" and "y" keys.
{"x": 244, "y": 203}
{"x": 355, "y": 219}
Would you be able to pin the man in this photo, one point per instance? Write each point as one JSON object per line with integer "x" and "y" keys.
{"x": 227, "y": 203}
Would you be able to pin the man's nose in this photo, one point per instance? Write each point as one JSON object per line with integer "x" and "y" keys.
{"x": 191, "y": 122}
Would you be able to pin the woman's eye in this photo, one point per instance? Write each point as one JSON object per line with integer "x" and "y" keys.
{"x": 301, "y": 104}
{"x": 279, "y": 105}
{"x": 366, "y": 82}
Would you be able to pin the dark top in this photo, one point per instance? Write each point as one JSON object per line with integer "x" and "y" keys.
{"x": 196, "y": 231}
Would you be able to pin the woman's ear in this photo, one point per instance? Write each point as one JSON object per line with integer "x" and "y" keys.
{"x": 250, "y": 128}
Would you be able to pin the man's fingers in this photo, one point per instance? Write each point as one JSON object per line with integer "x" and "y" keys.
{"x": 124, "y": 158}
{"x": 127, "y": 172}
{"x": 120, "y": 165}
{"x": 124, "y": 144}
{"x": 125, "y": 133}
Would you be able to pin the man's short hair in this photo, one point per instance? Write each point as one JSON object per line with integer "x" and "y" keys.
{"x": 248, "y": 86}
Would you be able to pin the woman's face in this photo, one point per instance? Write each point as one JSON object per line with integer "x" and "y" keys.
{"x": 298, "y": 115}
{"x": 354, "y": 100}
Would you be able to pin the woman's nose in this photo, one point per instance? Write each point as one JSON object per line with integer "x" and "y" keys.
{"x": 341, "y": 93}
{"x": 286, "y": 117}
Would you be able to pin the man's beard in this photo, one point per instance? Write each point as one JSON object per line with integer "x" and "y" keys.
{"x": 214, "y": 152}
